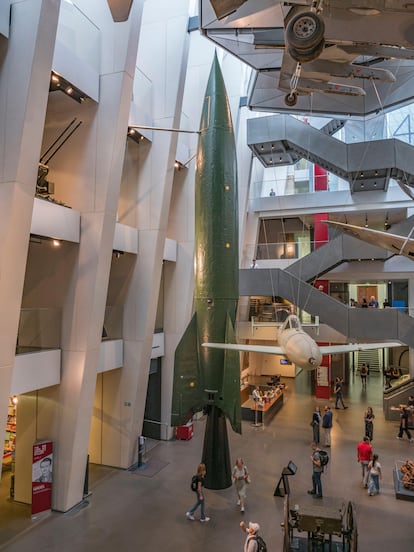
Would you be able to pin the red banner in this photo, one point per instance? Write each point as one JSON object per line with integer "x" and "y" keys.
{"x": 42, "y": 476}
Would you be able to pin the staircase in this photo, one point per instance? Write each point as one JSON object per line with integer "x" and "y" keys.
{"x": 373, "y": 358}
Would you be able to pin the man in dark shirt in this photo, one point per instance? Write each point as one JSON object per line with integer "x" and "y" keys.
{"x": 404, "y": 425}
{"x": 327, "y": 425}
{"x": 339, "y": 393}
{"x": 317, "y": 469}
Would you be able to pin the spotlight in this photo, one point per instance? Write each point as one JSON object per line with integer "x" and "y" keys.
{"x": 58, "y": 83}
{"x": 134, "y": 135}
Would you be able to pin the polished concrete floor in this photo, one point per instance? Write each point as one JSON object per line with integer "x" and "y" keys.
{"x": 145, "y": 510}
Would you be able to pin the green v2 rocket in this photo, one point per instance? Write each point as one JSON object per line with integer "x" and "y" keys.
{"x": 209, "y": 379}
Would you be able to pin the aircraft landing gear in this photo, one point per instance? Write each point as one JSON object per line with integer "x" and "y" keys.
{"x": 291, "y": 99}
{"x": 305, "y": 36}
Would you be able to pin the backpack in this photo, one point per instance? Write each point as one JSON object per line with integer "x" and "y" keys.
{"x": 261, "y": 545}
{"x": 324, "y": 457}
{"x": 194, "y": 483}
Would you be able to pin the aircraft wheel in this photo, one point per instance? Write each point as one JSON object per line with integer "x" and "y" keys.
{"x": 291, "y": 99}
{"x": 306, "y": 56}
{"x": 305, "y": 30}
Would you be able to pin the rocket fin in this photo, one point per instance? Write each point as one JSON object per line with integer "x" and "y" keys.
{"x": 231, "y": 381}
{"x": 188, "y": 389}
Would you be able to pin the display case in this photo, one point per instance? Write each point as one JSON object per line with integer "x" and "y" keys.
{"x": 10, "y": 436}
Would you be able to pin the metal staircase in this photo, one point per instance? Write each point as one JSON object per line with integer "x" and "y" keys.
{"x": 292, "y": 284}
{"x": 368, "y": 166}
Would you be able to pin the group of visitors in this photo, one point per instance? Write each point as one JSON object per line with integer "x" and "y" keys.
{"x": 391, "y": 373}
{"x": 371, "y": 467}
{"x": 371, "y": 304}
{"x": 326, "y": 421}
{"x": 241, "y": 479}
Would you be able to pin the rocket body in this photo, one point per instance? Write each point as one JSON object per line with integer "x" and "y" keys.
{"x": 204, "y": 378}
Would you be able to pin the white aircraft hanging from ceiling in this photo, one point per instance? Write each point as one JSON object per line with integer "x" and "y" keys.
{"x": 399, "y": 245}
{"x": 299, "y": 347}
{"x": 327, "y": 43}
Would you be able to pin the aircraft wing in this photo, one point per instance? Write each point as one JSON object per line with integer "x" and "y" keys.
{"x": 399, "y": 245}
{"x": 349, "y": 347}
{"x": 269, "y": 349}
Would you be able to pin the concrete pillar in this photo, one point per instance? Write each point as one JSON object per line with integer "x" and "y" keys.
{"x": 91, "y": 182}
{"x": 163, "y": 62}
{"x": 24, "y": 86}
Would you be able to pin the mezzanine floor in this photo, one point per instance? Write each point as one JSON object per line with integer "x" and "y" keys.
{"x": 130, "y": 511}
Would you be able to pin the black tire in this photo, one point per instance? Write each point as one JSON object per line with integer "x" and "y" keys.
{"x": 306, "y": 56}
{"x": 291, "y": 99}
{"x": 305, "y": 31}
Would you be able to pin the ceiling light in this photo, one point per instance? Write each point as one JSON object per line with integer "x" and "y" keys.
{"x": 366, "y": 221}
{"x": 134, "y": 135}
{"x": 56, "y": 243}
{"x": 58, "y": 83}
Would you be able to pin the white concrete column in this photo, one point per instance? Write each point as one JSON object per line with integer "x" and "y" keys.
{"x": 24, "y": 86}
{"x": 93, "y": 187}
{"x": 162, "y": 57}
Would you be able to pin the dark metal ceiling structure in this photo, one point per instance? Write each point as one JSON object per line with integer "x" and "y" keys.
{"x": 363, "y": 65}
{"x": 283, "y": 140}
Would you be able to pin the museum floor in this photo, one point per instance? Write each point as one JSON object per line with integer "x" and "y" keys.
{"x": 145, "y": 510}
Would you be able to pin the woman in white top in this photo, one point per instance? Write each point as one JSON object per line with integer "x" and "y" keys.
{"x": 240, "y": 477}
{"x": 374, "y": 468}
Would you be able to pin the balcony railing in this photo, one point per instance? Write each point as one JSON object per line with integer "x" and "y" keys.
{"x": 39, "y": 329}
{"x": 284, "y": 250}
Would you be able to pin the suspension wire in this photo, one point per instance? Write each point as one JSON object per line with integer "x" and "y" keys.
{"x": 381, "y": 104}
{"x": 296, "y": 293}
{"x": 301, "y": 263}
{"x": 378, "y": 96}
{"x": 267, "y": 245}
